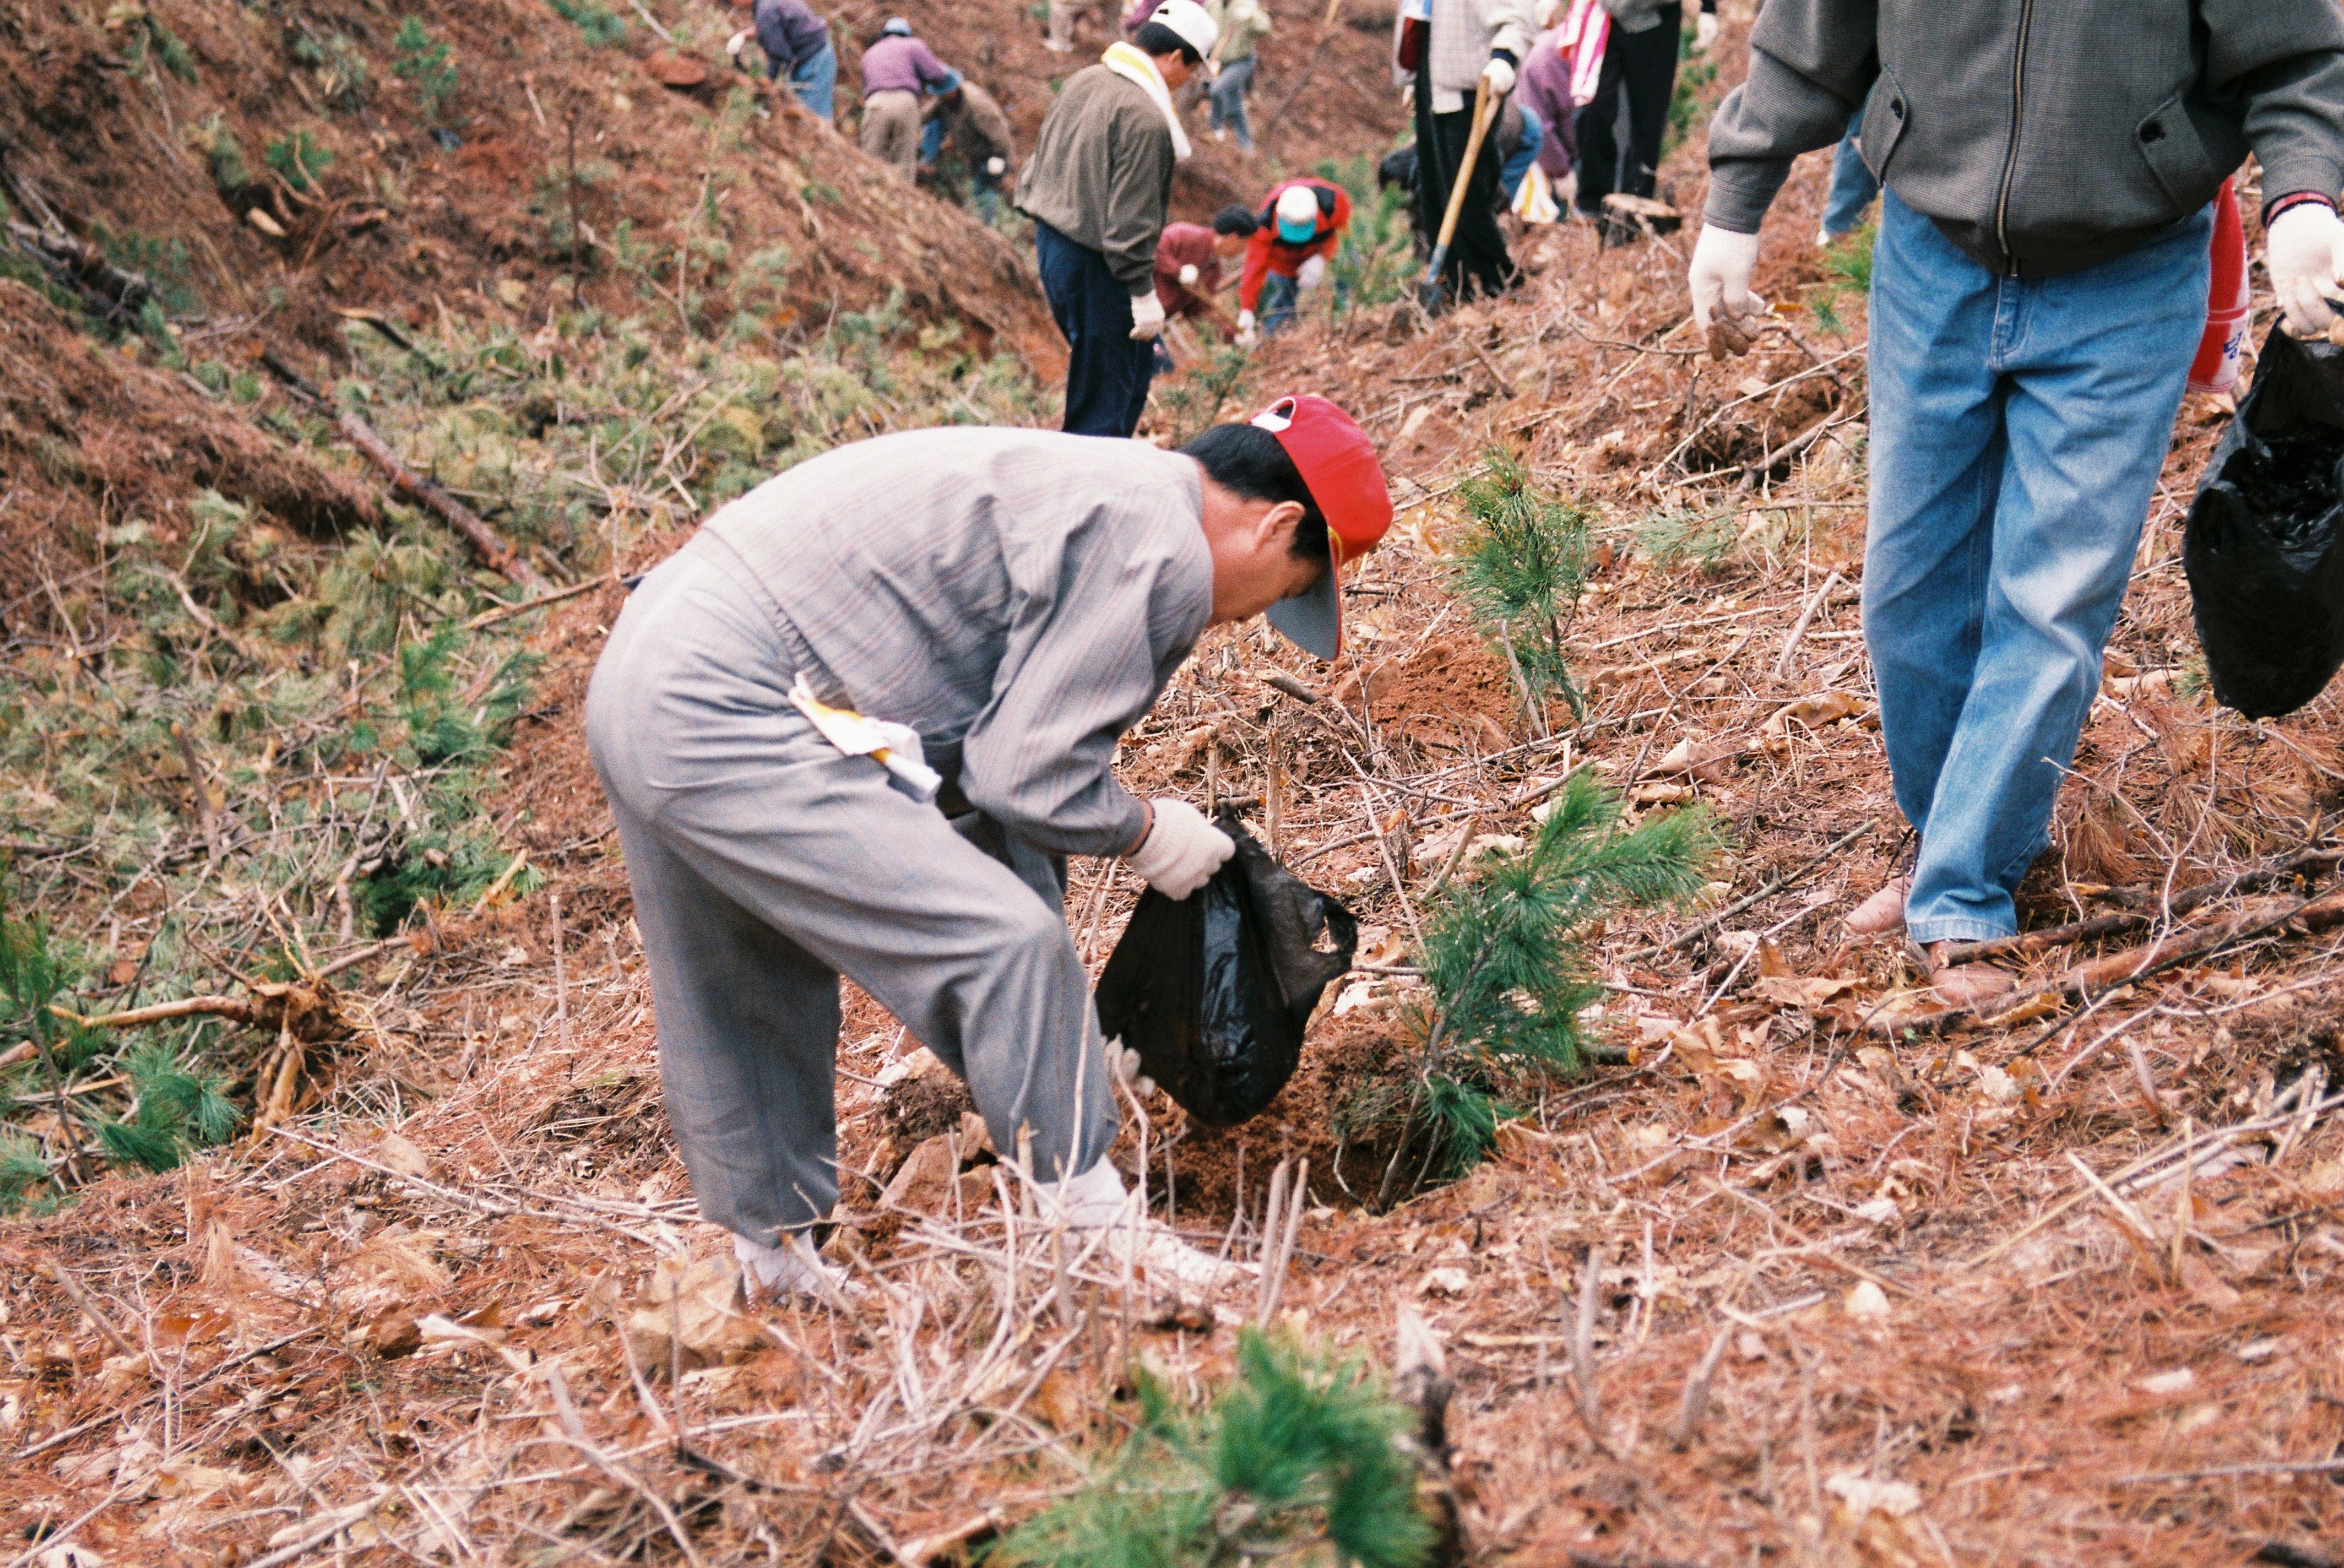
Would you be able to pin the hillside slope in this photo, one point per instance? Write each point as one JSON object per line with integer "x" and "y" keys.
{"x": 1781, "y": 1265}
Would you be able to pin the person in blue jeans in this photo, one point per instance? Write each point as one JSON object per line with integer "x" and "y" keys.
{"x": 2035, "y": 302}
{"x": 796, "y": 40}
{"x": 1520, "y": 134}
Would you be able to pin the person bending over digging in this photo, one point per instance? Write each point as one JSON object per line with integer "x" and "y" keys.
{"x": 1003, "y": 604}
{"x": 2038, "y": 287}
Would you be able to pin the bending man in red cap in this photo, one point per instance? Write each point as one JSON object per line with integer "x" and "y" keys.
{"x": 1002, "y": 604}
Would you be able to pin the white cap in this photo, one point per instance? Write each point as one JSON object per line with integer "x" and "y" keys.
{"x": 1192, "y": 22}
{"x": 1299, "y": 203}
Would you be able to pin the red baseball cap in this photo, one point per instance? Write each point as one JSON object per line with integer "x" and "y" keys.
{"x": 1338, "y": 465}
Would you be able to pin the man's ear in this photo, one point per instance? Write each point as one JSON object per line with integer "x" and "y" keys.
{"x": 1275, "y": 528}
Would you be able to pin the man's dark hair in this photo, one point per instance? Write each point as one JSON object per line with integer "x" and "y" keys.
{"x": 1236, "y": 218}
{"x": 1155, "y": 38}
{"x": 1250, "y": 461}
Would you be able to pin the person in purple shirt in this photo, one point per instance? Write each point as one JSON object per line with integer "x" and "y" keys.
{"x": 895, "y": 70}
{"x": 797, "y": 41}
{"x": 1543, "y": 86}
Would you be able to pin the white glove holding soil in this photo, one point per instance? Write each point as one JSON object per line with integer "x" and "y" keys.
{"x": 1312, "y": 273}
{"x": 2305, "y": 259}
{"x": 1097, "y": 1200}
{"x": 1181, "y": 852}
{"x": 1723, "y": 304}
{"x": 1147, "y": 315}
{"x": 1500, "y": 74}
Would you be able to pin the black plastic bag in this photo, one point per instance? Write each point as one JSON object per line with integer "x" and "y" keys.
{"x": 2265, "y": 544}
{"x": 1213, "y": 990}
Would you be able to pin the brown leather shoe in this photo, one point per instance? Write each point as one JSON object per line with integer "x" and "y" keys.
{"x": 1963, "y": 985}
{"x": 1884, "y": 911}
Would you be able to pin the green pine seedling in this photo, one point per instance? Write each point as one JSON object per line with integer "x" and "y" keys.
{"x": 1521, "y": 567}
{"x": 1294, "y": 1463}
{"x": 1506, "y": 978}
{"x": 177, "y": 1109}
{"x": 23, "y": 1172}
{"x": 429, "y": 63}
{"x": 298, "y": 159}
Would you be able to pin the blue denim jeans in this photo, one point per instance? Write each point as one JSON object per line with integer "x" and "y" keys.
{"x": 2018, "y": 426}
{"x": 1229, "y": 90}
{"x": 1278, "y": 295}
{"x": 815, "y": 80}
{"x": 1516, "y": 166}
{"x": 1852, "y": 185}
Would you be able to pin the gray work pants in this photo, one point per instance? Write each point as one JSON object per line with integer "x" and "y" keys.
{"x": 764, "y": 865}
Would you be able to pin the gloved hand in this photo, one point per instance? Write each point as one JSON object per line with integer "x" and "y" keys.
{"x": 1246, "y": 336}
{"x": 996, "y": 167}
{"x": 1720, "y": 281}
{"x": 1499, "y": 74}
{"x": 1312, "y": 273}
{"x": 1704, "y": 31}
{"x": 739, "y": 40}
{"x": 1189, "y": 275}
{"x": 2305, "y": 259}
{"x": 1180, "y": 851}
{"x": 1147, "y": 315}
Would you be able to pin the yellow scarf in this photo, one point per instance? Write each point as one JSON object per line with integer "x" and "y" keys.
{"x": 1128, "y": 61}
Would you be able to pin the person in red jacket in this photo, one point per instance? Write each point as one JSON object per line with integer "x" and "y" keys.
{"x": 1301, "y": 224}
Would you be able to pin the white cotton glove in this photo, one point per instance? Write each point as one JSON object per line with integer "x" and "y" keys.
{"x": 2305, "y": 259}
{"x": 1246, "y": 336}
{"x": 1704, "y": 31}
{"x": 1181, "y": 851}
{"x": 739, "y": 40}
{"x": 1312, "y": 273}
{"x": 1147, "y": 315}
{"x": 1500, "y": 74}
{"x": 1189, "y": 275}
{"x": 1723, "y": 261}
{"x": 791, "y": 1268}
{"x": 996, "y": 167}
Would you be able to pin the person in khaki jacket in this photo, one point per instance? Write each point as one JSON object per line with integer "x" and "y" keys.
{"x": 1096, "y": 187}
{"x": 2039, "y": 285}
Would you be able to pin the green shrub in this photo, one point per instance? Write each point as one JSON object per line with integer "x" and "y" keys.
{"x": 177, "y": 1109}
{"x": 1680, "y": 538}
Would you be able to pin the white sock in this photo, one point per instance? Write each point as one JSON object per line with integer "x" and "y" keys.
{"x": 790, "y": 1267}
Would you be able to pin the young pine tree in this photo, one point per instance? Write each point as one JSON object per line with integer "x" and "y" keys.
{"x": 1520, "y": 568}
{"x": 1294, "y": 1463}
{"x": 1507, "y": 979}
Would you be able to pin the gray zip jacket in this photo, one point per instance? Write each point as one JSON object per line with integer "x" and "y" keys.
{"x": 1018, "y": 597}
{"x": 2041, "y": 136}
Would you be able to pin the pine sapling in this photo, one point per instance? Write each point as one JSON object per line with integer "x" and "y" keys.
{"x": 1506, "y": 977}
{"x": 1521, "y": 568}
{"x": 1295, "y": 1462}
{"x": 175, "y": 1108}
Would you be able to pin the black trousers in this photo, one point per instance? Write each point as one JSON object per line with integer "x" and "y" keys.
{"x": 1476, "y": 253}
{"x": 1641, "y": 66}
